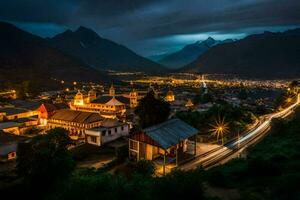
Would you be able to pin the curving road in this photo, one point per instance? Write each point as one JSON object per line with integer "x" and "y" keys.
{"x": 233, "y": 148}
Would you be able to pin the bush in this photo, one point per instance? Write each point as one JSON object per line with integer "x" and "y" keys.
{"x": 262, "y": 168}
{"x": 144, "y": 167}
{"x": 46, "y": 158}
{"x": 217, "y": 178}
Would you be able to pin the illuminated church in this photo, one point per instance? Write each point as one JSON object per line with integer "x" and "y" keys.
{"x": 170, "y": 97}
{"x": 109, "y": 106}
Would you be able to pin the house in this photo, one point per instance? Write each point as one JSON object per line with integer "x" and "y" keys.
{"x": 110, "y": 129}
{"x": 13, "y": 113}
{"x": 167, "y": 144}
{"x": 25, "y": 104}
{"x": 11, "y": 94}
{"x": 8, "y": 152}
{"x": 76, "y": 122}
{"x": 8, "y": 146}
{"x": 47, "y": 110}
{"x": 11, "y": 127}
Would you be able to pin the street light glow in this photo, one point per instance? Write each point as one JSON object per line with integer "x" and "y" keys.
{"x": 219, "y": 129}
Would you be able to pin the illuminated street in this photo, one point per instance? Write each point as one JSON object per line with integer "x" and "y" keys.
{"x": 234, "y": 148}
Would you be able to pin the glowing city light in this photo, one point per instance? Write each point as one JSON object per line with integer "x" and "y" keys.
{"x": 219, "y": 129}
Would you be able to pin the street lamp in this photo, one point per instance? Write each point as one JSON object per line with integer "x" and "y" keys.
{"x": 219, "y": 129}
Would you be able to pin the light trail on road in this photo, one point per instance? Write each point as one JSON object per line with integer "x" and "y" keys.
{"x": 221, "y": 154}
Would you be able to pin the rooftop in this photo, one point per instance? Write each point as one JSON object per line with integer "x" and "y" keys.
{"x": 170, "y": 133}
{"x": 6, "y": 138}
{"x": 106, "y": 99}
{"x": 76, "y": 116}
{"x": 30, "y": 105}
{"x": 8, "y": 148}
{"x": 12, "y": 110}
{"x": 5, "y": 125}
{"x": 108, "y": 123}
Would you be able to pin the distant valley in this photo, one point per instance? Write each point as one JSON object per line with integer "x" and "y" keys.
{"x": 190, "y": 52}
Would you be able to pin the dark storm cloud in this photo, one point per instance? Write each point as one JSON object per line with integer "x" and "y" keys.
{"x": 134, "y": 21}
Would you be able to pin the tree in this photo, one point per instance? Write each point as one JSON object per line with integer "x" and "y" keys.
{"x": 45, "y": 158}
{"x": 145, "y": 167}
{"x": 293, "y": 84}
{"x": 243, "y": 94}
{"x": 151, "y": 110}
{"x": 281, "y": 100}
{"x": 203, "y": 98}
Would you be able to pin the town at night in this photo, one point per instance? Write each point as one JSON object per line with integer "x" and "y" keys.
{"x": 138, "y": 99}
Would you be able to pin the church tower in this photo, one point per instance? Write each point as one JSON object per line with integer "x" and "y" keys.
{"x": 112, "y": 91}
{"x": 78, "y": 99}
{"x": 133, "y": 98}
{"x": 58, "y": 99}
{"x": 91, "y": 96}
{"x": 170, "y": 97}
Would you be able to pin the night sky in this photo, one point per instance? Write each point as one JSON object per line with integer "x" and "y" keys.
{"x": 154, "y": 26}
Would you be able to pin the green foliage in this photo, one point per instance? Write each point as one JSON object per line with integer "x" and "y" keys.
{"x": 243, "y": 94}
{"x": 45, "y": 157}
{"x": 281, "y": 100}
{"x": 203, "y": 98}
{"x": 84, "y": 151}
{"x": 293, "y": 84}
{"x": 152, "y": 111}
{"x": 179, "y": 185}
{"x": 97, "y": 185}
{"x": 144, "y": 167}
{"x": 271, "y": 168}
{"x": 237, "y": 117}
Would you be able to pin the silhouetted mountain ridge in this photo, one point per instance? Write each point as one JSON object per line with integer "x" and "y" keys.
{"x": 24, "y": 56}
{"x": 101, "y": 53}
{"x": 190, "y": 52}
{"x": 266, "y": 55}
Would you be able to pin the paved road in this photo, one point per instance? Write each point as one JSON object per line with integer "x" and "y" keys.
{"x": 233, "y": 148}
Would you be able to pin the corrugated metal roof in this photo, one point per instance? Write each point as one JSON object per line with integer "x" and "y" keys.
{"x": 170, "y": 133}
{"x": 13, "y": 110}
{"x": 76, "y": 116}
{"x": 5, "y": 125}
{"x": 8, "y": 148}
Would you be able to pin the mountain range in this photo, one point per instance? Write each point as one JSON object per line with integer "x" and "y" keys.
{"x": 79, "y": 55}
{"x": 266, "y": 55}
{"x": 82, "y": 55}
{"x": 27, "y": 57}
{"x": 190, "y": 52}
{"x": 100, "y": 53}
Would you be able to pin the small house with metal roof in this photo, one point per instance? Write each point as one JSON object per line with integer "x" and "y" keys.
{"x": 167, "y": 144}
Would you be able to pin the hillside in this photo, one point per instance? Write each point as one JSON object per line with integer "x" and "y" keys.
{"x": 267, "y": 55}
{"x": 101, "y": 53}
{"x": 26, "y": 57}
{"x": 189, "y": 53}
